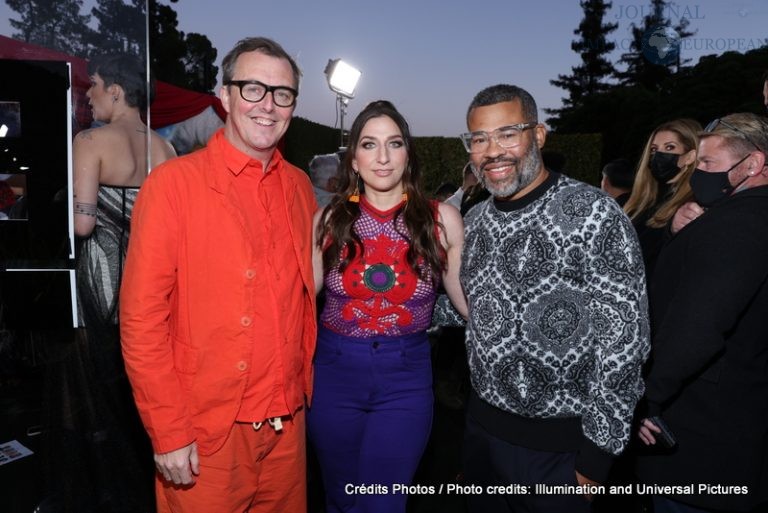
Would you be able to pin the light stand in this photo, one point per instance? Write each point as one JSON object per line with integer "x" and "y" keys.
{"x": 342, "y": 80}
{"x": 343, "y": 102}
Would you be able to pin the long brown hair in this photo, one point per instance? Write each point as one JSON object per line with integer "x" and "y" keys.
{"x": 645, "y": 191}
{"x": 335, "y": 232}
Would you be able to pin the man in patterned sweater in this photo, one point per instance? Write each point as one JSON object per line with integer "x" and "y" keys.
{"x": 558, "y": 320}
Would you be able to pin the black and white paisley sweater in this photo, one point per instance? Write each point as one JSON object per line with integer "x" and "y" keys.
{"x": 558, "y": 321}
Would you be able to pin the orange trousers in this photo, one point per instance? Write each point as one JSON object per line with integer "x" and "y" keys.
{"x": 255, "y": 471}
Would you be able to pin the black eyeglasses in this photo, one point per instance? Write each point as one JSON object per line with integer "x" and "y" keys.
{"x": 254, "y": 91}
{"x": 713, "y": 125}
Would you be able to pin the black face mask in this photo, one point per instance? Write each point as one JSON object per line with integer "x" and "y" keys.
{"x": 664, "y": 166}
{"x": 709, "y": 188}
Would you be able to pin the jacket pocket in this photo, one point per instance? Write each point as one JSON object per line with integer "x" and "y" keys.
{"x": 185, "y": 362}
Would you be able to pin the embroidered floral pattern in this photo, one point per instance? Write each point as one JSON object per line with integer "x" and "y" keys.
{"x": 378, "y": 293}
{"x": 377, "y": 284}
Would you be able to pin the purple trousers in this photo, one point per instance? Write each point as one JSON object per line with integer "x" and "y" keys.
{"x": 370, "y": 418}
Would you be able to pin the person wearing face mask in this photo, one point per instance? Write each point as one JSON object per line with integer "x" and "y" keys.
{"x": 691, "y": 210}
{"x": 661, "y": 184}
{"x": 707, "y": 380}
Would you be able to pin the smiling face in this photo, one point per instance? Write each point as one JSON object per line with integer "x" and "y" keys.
{"x": 381, "y": 156}
{"x": 507, "y": 173}
{"x": 256, "y": 128}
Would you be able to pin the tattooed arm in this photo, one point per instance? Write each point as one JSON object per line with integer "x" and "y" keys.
{"x": 86, "y": 165}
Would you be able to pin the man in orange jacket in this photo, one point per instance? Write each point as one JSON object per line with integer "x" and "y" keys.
{"x": 218, "y": 303}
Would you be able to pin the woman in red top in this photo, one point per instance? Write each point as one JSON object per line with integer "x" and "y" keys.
{"x": 381, "y": 252}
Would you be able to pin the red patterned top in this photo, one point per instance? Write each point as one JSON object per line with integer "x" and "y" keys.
{"x": 378, "y": 293}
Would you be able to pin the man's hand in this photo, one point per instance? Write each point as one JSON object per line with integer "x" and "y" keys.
{"x": 684, "y": 215}
{"x": 180, "y": 465}
{"x": 647, "y": 430}
{"x": 583, "y": 480}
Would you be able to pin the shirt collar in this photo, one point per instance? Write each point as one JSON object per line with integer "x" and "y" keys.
{"x": 236, "y": 161}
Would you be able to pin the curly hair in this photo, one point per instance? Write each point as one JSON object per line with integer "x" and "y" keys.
{"x": 335, "y": 231}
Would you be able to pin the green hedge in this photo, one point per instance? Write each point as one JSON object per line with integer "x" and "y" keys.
{"x": 582, "y": 153}
{"x": 443, "y": 158}
{"x": 305, "y": 139}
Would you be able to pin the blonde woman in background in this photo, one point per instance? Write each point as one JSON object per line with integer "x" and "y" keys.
{"x": 661, "y": 184}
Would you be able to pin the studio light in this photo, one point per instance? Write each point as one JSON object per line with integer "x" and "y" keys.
{"x": 342, "y": 80}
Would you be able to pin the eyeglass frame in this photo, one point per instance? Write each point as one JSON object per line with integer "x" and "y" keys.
{"x": 267, "y": 89}
{"x": 521, "y": 127}
{"x": 712, "y": 125}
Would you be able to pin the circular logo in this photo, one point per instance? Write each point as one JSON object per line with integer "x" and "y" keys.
{"x": 379, "y": 277}
{"x": 661, "y": 45}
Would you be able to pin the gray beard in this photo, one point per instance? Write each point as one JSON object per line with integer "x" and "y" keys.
{"x": 527, "y": 170}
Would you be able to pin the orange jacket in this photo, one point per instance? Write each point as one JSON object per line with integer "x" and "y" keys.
{"x": 186, "y": 304}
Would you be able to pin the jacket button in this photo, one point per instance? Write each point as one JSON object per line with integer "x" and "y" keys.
{"x": 250, "y": 274}
{"x": 241, "y": 365}
{"x": 245, "y": 321}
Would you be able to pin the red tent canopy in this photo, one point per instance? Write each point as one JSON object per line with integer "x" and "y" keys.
{"x": 174, "y": 104}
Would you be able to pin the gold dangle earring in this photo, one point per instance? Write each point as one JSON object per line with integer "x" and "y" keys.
{"x": 355, "y": 196}
{"x": 405, "y": 194}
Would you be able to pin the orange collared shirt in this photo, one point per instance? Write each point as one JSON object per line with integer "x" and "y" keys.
{"x": 279, "y": 297}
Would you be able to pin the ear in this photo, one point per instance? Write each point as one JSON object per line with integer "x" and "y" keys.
{"x": 354, "y": 166}
{"x": 758, "y": 165}
{"x": 115, "y": 90}
{"x": 540, "y": 132}
{"x": 224, "y": 97}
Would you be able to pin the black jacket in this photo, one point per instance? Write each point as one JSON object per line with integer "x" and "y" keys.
{"x": 709, "y": 372}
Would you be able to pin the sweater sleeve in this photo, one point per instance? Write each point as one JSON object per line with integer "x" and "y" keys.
{"x": 618, "y": 307}
{"x": 445, "y": 314}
